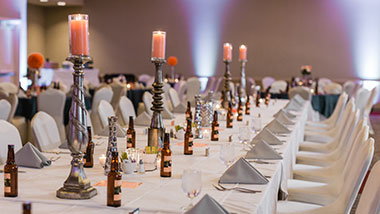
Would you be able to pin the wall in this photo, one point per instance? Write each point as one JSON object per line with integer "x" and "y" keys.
{"x": 36, "y": 29}
{"x": 280, "y": 35}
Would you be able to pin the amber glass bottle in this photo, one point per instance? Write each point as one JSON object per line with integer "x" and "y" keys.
{"x": 188, "y": 112}
{"x": 230, "y": 116}
{"x": 166, "y": 158}
{"x": 131, "y": 134}
{"x": 114, "y": 183}
{"x": 258, "y": 99}
{"x": 27, "y": 208}
{"x": 89, "y": 157}
{"x": 248, "y": 106}
{"x": 240, "y": 111}
{"x": 215, "y": 128}
{"x": 267, "y": 98}
{"x": 10, "y": 174}
{"x": 188, "y": 145}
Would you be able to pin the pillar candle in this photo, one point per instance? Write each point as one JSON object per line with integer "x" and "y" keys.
{"x": 243, "y": 52}
{"x": 78, "y": 26}
{"x": 158, "y": 45}
{"x": 227, "y": 51}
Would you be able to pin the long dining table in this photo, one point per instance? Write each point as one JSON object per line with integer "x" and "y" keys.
{"x": 153, "y": 194}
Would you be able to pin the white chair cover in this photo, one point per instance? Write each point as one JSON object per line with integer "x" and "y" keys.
{"x": 173, "y": 95}
{"x": 266, "y": 82}
{"x": 5, "y": 109}
{"x": 125, "y": 110}
{"x": 147, "y": 99}
{"x": 278, "y": 87}
{"x": 104, "y": 93}
{"x": 369, "y": 200}
{"x": 145, "y": 78}
{"x": 324, "y": 81}
{"x": 119, "y": 90}
{"x": 333, "y": 88}
{"x": 45, "y": 132}
{"x": 367, "y": 109}
{"x": 362, "y": 97}
{"x": 9, "y": 135}
{"x": 302, "y": 91}
{"x": 349, "y": 87}
{"x": 9, "y": 87}
{"x": 60, "y": 86}
{"x": 105, "y": 110}
{"x": 13, "y": 100}
{"x": 52, "y": 101}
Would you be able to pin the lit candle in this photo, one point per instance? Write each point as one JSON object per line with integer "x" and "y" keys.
{"x": 102, "y": 160}
{"x": 227, "y": 51}
{"x": 243, "y": 52}
{"x": 78, "y": 26}
{"x": 158, "y": 45}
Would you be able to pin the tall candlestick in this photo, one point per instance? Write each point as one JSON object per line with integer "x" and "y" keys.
{"x": 227, "y": 51}
{"x": 158, "y": 45}
{"x": 79, "y": 42}
{"x": 243, "y": 52}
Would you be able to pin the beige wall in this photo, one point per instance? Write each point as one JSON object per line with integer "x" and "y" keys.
{"x": 280, "y": 35}
{"x": 36, "y": 29}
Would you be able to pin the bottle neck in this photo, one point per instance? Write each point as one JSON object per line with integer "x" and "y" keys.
{"x": 89, "y": 132}
{"x": 131, "y": 124}
{"x": 11, "y": 157}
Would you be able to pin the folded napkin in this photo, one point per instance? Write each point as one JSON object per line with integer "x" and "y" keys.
{"x": 267, "y": 136}
{"x": 143, "y": 119}
{"x": 242, "y": 172}
{"x": 298, "y": 99}
{"x": 287, "y": 113}
{"x": 277, "y": 127}
{"x": 30, "y": 156}
{"x": 263, "y": 150}
{"x": 293, "y": 105}
{"x": 207, "y": 205}
{"x": 181, "y": 109}
{"x": 166, "y": 114}
{"x": 284, "y": 119}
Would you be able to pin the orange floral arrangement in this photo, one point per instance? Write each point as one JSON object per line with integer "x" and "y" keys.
{"x": 172, "y": 61}
{"x": 35, "y": 60}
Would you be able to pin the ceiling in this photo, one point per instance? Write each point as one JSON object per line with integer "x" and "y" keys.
{"x": 51, "y": 3}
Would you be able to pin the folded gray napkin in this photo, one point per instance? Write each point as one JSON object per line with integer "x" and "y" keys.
{"x": 267, "y": 136}
{"x": 207, "y": 205}
{"x": 181, "y": 108}
{"x": 288, "y": 114}
{"x": 166, "y": 114}
{"x": 30, "y": 156}
{"x": 242, "y": 172}
{"x": 292, "y": 105}
{"x": 277, "y": 127}
{"x": 298, "y": 99}
{"x": 263, "y": 150}
{"x": 143, "y": 119}
{"x": 284, "y": 119}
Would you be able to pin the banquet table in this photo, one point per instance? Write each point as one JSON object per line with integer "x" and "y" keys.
{"x": 164, "y": 195}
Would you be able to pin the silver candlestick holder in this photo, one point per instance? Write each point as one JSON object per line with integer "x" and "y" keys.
{"x": 243, "y": 81}
{"x": 197, "y": 117}
{"x": 77, "y": 186}
{"x": 112, "y": 143}
{"x": 156, "y": 130}
{"x": 227, "y": 80}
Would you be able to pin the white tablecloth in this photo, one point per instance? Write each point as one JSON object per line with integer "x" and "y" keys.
{"x": 163, "y": 195}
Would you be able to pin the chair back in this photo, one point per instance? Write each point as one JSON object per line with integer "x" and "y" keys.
{"x": 125, "y": 110}
{"x": 105, "y": 110}
{"x": 369, "y": 200}
{"x": 147, "y": 99}
{"x": 104, "y": 93}
{"x": 301, "y": 91}
{"x": 145, "y": 78}
{"x": 266, "y": 82}
{"x": 349, "y": 87}
{"x": 362, "y": 97}
{"x": 9, "y": 135}
{"x": 5, "y": 109}
{"x": 9, "y": 87}
{"x": 174, "y": 99}
{"x": 323, "y": 81}
{"x": 278, "y": 87}
{"x": 333, "y": 88}
{"x": 45, "y": 132}
{"x": 119, "y": 90}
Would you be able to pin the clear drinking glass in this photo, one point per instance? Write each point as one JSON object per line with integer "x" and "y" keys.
{"x": 227, "y": 153}
{"x": 191, "y": 185}
{"x": 256, "y": 124}
{"x": 244, "y": 135}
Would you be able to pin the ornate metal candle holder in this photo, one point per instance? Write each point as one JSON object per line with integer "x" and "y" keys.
{"x": 207, "y": 111}
{"x": 227, "y": 80}
{"x": 112, "y": 143}
{"x": 156, "y": 130}
{"x": 197, "y": 117}
{"x": 77, "y": 186}
{"x": 242, "y": 81}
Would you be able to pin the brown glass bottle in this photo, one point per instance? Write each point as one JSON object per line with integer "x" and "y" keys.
{"x": 230, "y": 116}
{"x": 258, "y": 99}
{"x": 131, "y": 134}
{"x": 215, "y": 128}
{"x": 114, "y": 183}
{"x": 248, "y": 106}
{"x": 166, "y": 158}
{"x": 240, "y": 111}
{"x": 27, "y": 208}
{"x": 10, "y": 174}
{"x": 188, "y": 144}
{"x": 267, "y": 98}
{"x": 89, "y": 157}
{"x": 188, "y": 112}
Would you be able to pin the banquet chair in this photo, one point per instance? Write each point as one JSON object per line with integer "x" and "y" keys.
{"x": 9, "y": 87}
{"x": 125, "y": 110}
{"x": 105, "y": 110}
{"x": 266, "y": 82}
{"x": 278, "y": 87}
{"x": 302, "y": 91}
{"x": 174, "y": 99}
{"x": 104, "y": 93}
{"x": 362, "y": 96}
{"x": 9, "y": 135}
{"x": 45, "y": 132}
{"x": 191, "y": 88}
{"x": 334, "y": 197}
{"x": 368, "y": 107}
{"x": 179, "y": 85}
{"x": 333, "y": 88}
{"x": 13, "y": 100}
{"x": 52, "y": 101}
{"x": 349, "y": 87}
{"x": 119, "y": 90}
{"x": 5, "y": 109}
{"x": 369, "y": 200}
{"x": 145, "y": 78}
{"x": 323, "y": 82}
{"x": 59, "y": 85}
{"x": 166, "y": 98}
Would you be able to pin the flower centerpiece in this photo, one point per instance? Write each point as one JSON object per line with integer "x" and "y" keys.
{"x": 35, "y": 62}
{"x": 172, "y": 62}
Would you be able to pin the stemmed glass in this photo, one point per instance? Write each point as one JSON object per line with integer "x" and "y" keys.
{"x": 227, "y": 153}
{"x": 256, "y": 124}
{"x": 244, "y": 135}
{"x": 191, "y": 185}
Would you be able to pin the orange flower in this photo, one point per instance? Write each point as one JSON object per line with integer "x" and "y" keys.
{"x": 35, "y": 60}
{"x": 172, "y": 61}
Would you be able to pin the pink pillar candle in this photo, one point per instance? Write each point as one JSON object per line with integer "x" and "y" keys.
{"x": 158, "y": 45}
{"x": 243, "y": 52}
{"x": 227, "y": 51}
{"x": 79, "y": 42}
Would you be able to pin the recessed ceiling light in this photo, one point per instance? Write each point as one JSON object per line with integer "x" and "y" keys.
{"x": 61, "y": 3}
{"x": 44, "y": 0}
